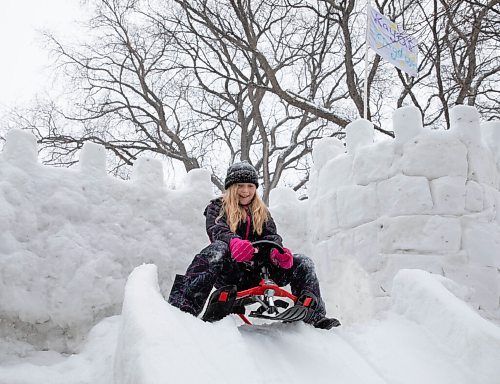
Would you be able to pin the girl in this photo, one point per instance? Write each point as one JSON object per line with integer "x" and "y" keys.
{"x": 233, "y": 222}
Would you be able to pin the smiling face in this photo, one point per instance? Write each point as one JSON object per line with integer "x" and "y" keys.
{"x": 246, "y": 193}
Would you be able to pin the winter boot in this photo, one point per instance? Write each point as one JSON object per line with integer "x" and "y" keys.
{"x": 220, "y": 304}
{"x": 315, "y": 317}
{"x": 326, "y": 323}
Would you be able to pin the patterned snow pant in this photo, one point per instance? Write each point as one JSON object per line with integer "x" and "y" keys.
{"x": 214, "y": 267}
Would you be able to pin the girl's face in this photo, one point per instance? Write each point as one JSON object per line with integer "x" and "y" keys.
{"x": 246, "y": 193}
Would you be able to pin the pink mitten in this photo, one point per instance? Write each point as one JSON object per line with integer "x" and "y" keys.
{"x": 284, "y": 260}
{"x": 241, "y": 250}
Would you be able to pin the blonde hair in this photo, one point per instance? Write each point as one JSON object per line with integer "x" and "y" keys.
{"x": 235, "y": 213}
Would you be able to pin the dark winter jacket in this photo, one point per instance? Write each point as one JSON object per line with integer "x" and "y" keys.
{"x": 218, "y": 229}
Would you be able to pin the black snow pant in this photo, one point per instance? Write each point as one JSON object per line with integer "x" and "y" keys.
{"x": 214, "y": 267}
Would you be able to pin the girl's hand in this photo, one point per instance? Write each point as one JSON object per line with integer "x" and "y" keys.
{"x": 284, "y": 260}
{"x": 241, "y": 250}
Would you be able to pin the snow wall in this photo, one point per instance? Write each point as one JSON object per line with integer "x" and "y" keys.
{"x": 69, "y": 238}
{"x": 427, "y": 199}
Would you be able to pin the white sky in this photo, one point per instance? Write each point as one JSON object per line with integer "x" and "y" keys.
{"x": 23, "y": 63}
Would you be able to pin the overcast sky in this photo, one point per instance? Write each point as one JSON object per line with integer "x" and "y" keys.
{"x": 23, "y": 61}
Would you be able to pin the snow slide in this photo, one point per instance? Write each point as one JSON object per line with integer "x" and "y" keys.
{"x": 160, "y": 344}
{"x": 428, "y": 336}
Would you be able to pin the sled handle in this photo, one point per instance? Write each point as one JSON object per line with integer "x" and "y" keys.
{"x": 268, "y": 244}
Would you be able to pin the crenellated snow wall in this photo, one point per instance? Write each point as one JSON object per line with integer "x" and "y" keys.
{"x": 69, "y": 238}
{"x": 425, "y": 199}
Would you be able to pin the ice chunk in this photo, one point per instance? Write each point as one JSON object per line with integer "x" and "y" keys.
{"x": 358, "y": 133}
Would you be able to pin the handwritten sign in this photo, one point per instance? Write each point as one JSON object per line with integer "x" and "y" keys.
{"x": 391, "y": 42}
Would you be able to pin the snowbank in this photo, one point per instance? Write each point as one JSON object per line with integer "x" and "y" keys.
{"x": 159, "y": 343}
{"x": 434, "y": 302}
{"x": 428, "y": 335}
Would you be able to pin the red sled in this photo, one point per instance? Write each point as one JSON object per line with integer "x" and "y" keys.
{"x": 274, "y": 300}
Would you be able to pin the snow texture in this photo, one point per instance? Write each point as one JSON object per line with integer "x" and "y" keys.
{"x": 404, "y": 234}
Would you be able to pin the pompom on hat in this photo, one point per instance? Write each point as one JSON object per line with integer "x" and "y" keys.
{"x": 242, "y": 172}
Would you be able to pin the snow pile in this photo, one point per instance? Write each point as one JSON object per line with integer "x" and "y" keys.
{"x": 432, "y": 301}
{"x": 69, "y": 238}
{"x": 157, "y": 341}
{"x": 426, "y": 199}
{"x": 426, "y": 332}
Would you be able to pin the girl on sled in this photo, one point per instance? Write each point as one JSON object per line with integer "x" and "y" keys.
{"x": 233, "y": 222}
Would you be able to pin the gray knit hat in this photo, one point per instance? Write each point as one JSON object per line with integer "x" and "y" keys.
{"x": 242, "y": 172}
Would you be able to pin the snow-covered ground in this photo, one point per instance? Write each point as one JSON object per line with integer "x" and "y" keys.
{"x": 404, "y": 233}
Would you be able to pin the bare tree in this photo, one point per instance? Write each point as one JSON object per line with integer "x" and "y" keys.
{"x": 209, "y": 82}
{"x": 459, "y": 45}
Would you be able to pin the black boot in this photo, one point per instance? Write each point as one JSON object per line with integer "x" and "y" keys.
{"x": 220, "y": 304}
{"x": 316, "y": 315}
{"x": 326, "y": 323}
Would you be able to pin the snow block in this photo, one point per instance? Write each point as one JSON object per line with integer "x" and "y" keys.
{"x": 93, "y": 159}
{"x": 393, "y": 263}
{"x": 366, "y": 250}
{"x": 482, "y": 165}
{"x": 483, "y": 284}
{"x": 335, "y": 173}
{"x": 323, "y": 213}
{"x": 374, "y": 162}
{"x": 356, "y": 205}
{"x": 148, "y": 171}
{"x": 358, "y": 133}
{"x": 464, "y": 123}
{"x": 420, "y": 234}
{"x": 482, "y": 243}
{"x": 289, "y": 213}
{"x": 474, "y": 200}
{"x": 404, "y": 195}
{"x": 448, "y": 195}
{"x": 406, "y": 124}
{"x": 325, "y": 149}
{"x": 21, "y": 148}
{"x": 434, "y": 155}
{"x": 430, "y": 301}
{"x": 198, "y": 179}
{"x": 490, "y": 133}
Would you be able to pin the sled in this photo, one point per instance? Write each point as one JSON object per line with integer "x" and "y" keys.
{"x": 273, "y": 301}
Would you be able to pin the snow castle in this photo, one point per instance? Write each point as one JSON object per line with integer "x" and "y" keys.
{"x": 69, "y": 238}
{"x": 428, "y": 199}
